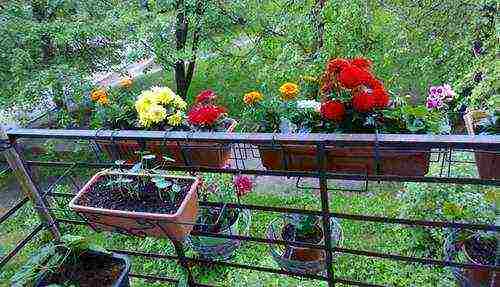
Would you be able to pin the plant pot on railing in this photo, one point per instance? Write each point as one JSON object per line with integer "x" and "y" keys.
{"x": 487, "y": 161}
{"x": 90, "y": 268}
{"x": 358, "y": 160}
{"x": 479, "y": 248}
{"x": 301, "y": 259}
{"x": 183, "y": 153}
{"x": 236, "y": 222}
{"x": 139, "y": 204}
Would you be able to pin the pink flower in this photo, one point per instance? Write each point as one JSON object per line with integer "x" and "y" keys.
{"x": 434, "y": 103}
{"x": 449, "y": 93}
{"x": 243, "y": 185}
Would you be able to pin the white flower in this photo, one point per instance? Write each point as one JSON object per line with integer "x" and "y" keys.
{"x": 309, "y": 104}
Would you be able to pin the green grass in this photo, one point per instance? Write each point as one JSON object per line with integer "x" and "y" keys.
{"x": 382, "y": 200}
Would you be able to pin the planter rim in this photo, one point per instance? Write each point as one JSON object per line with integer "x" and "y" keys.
{"x": 131, "y": 214}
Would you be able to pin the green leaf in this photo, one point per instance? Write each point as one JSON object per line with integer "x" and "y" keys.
{"x": 176, "y": 188}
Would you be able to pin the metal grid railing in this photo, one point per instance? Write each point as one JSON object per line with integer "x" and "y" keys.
{"x": 244, "y": 151}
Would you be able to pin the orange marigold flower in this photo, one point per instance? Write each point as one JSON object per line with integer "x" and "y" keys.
{"x": 103, "y": 100}
{"x": 126, "y": 83}
{"x": 253, "y": 98}
{"x": 289, "y": 91}
{"x": 98, "y": 94}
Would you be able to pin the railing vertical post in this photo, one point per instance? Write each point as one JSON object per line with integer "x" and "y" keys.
{"x": 179, "y": 249}
{"x": 26, "y": 183}
{"x": 325, "y": 209}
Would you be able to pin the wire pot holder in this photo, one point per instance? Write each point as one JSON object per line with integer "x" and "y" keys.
{"x": 452, "y": 251}
{"x": 222, "y": 248}
{"x": 311, "y": 267}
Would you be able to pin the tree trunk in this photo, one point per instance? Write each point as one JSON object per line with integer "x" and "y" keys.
{"x": 319, "y": 24}
{"x": 181, "y": 32}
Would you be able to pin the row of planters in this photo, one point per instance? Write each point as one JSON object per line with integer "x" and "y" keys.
{"x": 346, "y": 98}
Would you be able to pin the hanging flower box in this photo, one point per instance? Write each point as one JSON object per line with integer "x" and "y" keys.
{"x": 357, "y": 160}
{"x": 347, "y": 98}
{"x": 487, "y": 161}
{"x": 160, "y": 109}
{"x": 139, "y": 204}
{"x": 203, "y": 154}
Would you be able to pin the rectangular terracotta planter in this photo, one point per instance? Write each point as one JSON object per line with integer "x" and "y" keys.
{"x": 174, "y": 226}
{"x": 357, "y": 160}
{"x": 202, "y": 154}
{"x": 487, "y": 161}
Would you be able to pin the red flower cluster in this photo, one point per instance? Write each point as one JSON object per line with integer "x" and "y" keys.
{"x": 205, "y": 115}
{"x": 243, "y": 185}
{"x": 356, "y": 75}
{"x": 333, "y": 110}
{"x": 206, "y": 96}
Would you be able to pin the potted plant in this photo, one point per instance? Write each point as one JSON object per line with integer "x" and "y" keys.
{"x": 348, "y": 98}
{"x": 160, "y": 109}
{"x": 480, "y": 122}
{"x": 302, "y": 229}
{"x": 222, "y": 220}
{"x": 142, "y": 202}
{"x": 74, "y": 262}
{"x": 478, "y": 248}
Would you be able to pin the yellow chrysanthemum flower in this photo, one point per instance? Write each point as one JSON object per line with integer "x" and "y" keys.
{"x": 179, "y": 103}
{"x": 145, "y": 101}
{"x": 175, "y": 119}
{"x": 163, "y": 95}
{"x": 253, "y": 98}
{"x": 155, "y": 114}
{"x": 289, "y": 91}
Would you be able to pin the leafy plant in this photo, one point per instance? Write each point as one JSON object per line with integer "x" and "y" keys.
{"x": 49, "y": 258}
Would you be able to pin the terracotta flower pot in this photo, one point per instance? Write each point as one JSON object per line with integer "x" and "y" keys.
{"x": 203, "y": 154}
{"x": 358, "y": 160}
{"x": 175, "y": 226}
{"x": 487, "y": 161}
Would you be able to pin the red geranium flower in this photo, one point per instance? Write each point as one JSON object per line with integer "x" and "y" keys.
{"x": 352, "y": 77}
{"x": 336, "y": 65}
{"x": 206, "y": 96}
{"x": 362, "y": 63}
{"x": 333, "y": 110}
{"x": 243, "y": 185}
{"x": 381, "y": 98}
{"x": 205, "y": 115}
{"x": 363, "y": 102}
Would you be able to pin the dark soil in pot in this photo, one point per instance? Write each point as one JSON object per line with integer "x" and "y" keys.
{"x": 289, "y": 233}
{"x": 481, "y": 250}
{"x": 87, "y": 270}
{"x": 104, "y": 195}
{"x": 216, "y": 225}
